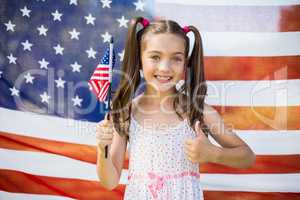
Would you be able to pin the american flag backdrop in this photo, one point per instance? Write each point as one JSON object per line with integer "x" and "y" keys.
{"x": 50, "y": 48}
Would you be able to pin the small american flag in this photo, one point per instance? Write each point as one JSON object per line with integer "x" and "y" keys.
{"x": 102, "y": 76}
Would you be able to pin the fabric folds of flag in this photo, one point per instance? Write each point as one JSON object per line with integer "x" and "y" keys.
{"x": 101, "y": 79}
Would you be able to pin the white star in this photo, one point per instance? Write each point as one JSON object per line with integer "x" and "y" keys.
{"x": 74, "y": 34}
{"x": 73, "y": 2}
{"x": 139, "y": 5}
{"x": 43, "y": 64}
{"x": 10, "y": 26}
{"x": 105, "y": 3}
{"x": 121, "y": 55}
{"x": 91, "y": 53}
{"x": 25, "y": 12}
{"x": 90, "y": 19}
{"x": 12, "y": 59}
{"x": 58, "y": 49}
{"x": 45, "y": 97}
{"x": 29, "y": 78}
{"x": 123, "y": 21}
{"x": 14, "y": 91}
{"x": 75, "y": 67}
{"x": 1, "y": 72}
{"x": 26, "y": 45}
{"x": 60, "y": 83}
{"x": 42, "y": 30}
{"x": 77, "y": 101}
{"x": 56, "y": 15}
{"x": 106, "y": 37}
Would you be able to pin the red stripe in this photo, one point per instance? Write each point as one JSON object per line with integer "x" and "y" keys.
{"x": 87, "y": 153}
{"x": 94, "y": 86}
{"x": 102, "y": 68}
{"x": 101, "y": 75}
{"x": 261, "y": 117}
{"x": 103, "y": 92}
{"x": 252, "y": 68}
{"x": 20, "y": 182}
{"x": 237, "y": 195}
{"x": 264, "y": 164}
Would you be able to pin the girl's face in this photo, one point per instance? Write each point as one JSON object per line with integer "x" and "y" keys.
{"x": 163, "y": 62}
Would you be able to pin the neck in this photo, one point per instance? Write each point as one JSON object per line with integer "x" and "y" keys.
{"x": 159, "y": 100}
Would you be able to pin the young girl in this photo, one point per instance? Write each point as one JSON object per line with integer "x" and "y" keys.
{"x": 167, "y": 128}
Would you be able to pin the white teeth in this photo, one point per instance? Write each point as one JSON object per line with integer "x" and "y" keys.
{"x": 163, "y": 77}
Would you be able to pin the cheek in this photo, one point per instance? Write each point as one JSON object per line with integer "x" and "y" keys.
{"x": 148, "y": 70}
{"x": 148, "y": 66}
{"x": 180, "y": 71}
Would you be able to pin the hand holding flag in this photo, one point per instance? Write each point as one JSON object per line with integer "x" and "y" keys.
{"x": 100, "y": 82}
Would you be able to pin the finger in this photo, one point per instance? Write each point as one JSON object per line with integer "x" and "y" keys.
{"x": 105, "y": 142}
{"x": 189, "y": 141}
{"x": 106, "y": 137}
{"x": 104, "y": 123}
{"x": 189, "y": 158}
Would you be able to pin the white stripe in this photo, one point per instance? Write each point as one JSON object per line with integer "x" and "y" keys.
{"x": 95, "y": 86}
{"x": 251, "y": 182}
{"x": 100, "y": 78}
{"x": 101, "y": 72}
{"x": 47, "y": 127}
{"x": 275, "y": 142}
{"x": 211, "y": 18}
{"x": 101, "y": 66}
{"x": 47, "y": 164}
{"x": 25, "y": 196}
{"x": 250, "y": 44}
{"x": 232, "y": 2}
{"x": 255, "y": 93}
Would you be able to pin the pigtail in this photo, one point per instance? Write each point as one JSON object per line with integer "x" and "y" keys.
{"x": 195, "y": 82}
{"x": 121, "y": 103}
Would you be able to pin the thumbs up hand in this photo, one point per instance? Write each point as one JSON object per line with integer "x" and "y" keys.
{"x": 199, "y": 149}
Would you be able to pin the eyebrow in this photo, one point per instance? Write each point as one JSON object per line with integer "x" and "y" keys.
{"x": 154, "y": 51}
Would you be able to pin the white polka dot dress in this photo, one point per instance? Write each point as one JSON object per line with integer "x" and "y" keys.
{"x": 158, "y": 166}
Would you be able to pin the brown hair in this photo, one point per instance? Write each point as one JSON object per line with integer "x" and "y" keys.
{"x": 194, "y": 86}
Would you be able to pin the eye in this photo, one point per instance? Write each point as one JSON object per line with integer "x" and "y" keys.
{"x": 155, "y": 57}
{"x": 178, "y": 59}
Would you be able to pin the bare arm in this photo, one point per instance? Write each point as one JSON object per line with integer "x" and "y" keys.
{"x": 109, "y": 169}
{"x": 234, "y": 151}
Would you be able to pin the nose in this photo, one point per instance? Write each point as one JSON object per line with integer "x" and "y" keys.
{"x": 164, "y": 65}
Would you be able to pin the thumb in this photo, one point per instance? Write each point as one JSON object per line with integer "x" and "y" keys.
{"x": 198, "y": 129}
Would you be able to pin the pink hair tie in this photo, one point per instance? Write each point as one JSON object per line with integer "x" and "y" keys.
{"x": 145, "y": 22}
{"x": 186, "y": 29}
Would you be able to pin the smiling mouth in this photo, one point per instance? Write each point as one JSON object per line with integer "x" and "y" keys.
{"x": 163, "y": 79}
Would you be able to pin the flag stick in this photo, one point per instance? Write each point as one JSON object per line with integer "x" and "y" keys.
{"x": 110, "y": 83}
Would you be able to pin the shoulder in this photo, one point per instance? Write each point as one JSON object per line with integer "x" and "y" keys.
{"x": 210, "y": 114}
{"x": 208, "y": 109}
